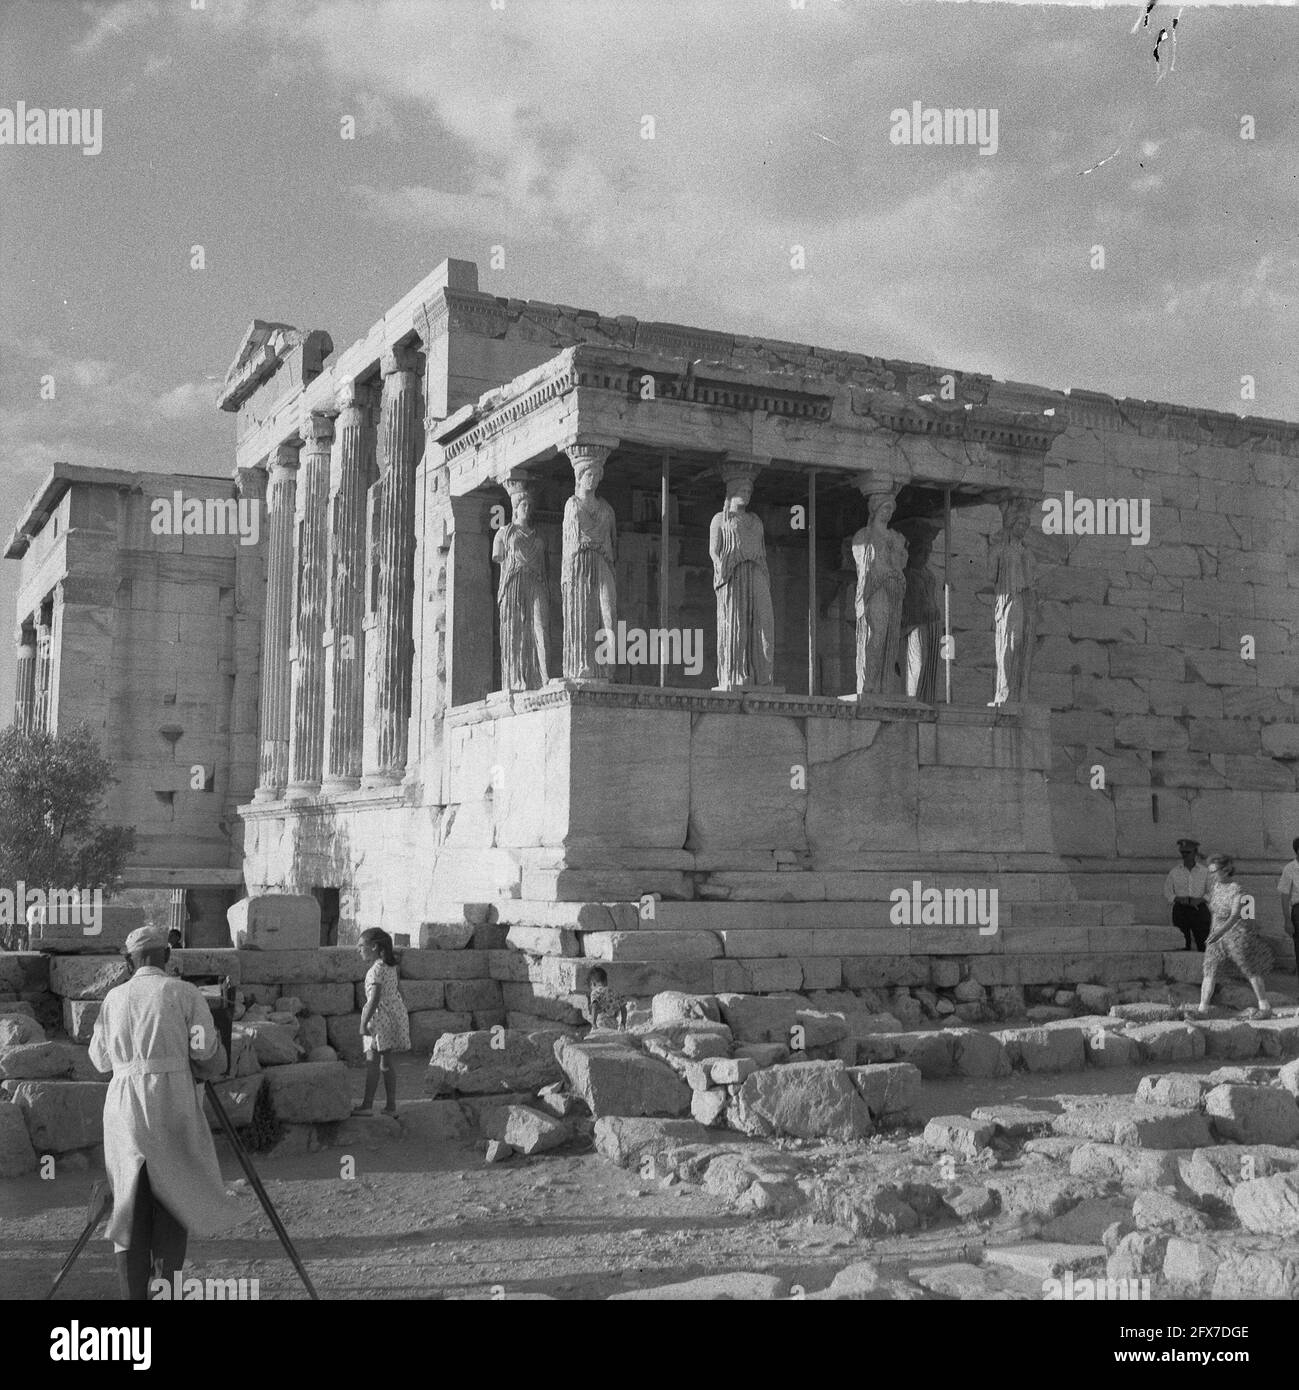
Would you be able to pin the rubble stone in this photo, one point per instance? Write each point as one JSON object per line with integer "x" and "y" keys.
{"x": 957, "y": 1134}
{"x": 1269, "y": 1206}
{"x": 804, "y": 1100}
{"x": 61, "y": 1115}
{"x": 712, "y": 1288}
{"x": 1177, "y": 1090}
{"x": 1168, "y": 1042}
{"x": 309, "y": 1092}
{"x": 39, "y": 1061}
{"x": 614, "y": 1079}
{"x": 524, "y": 1129}
{"x": 1253, "y": 1114}
{"x": 17, "y": 1156}
{"x": 624, "y": 1140}
{"x": 87, "y": 977}
{"x": 891, "y": 1090}
{"x": 1161, "y": 1211}
{"x": 484, "y": 1061}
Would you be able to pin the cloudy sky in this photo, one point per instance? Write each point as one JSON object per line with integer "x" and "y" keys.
{"x": 519, "y": 124}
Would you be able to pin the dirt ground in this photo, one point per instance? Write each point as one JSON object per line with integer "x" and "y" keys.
{"x": 438, "y": 1222}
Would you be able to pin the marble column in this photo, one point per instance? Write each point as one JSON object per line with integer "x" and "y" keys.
{"x": 249, "y": 614}
{"x": 401, "y": 445}
{"x": 177, "y": 916}
{"x": 310, "y": 562}
{"x": 281, "y": 502}
{"x": 25, "y": 680}
{"x": 587, "y": 565}
{"x": 350, "y": 467}
{"x": 44, "y": 666}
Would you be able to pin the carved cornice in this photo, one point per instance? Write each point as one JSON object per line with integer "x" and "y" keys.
{"x": 978, "y": 424}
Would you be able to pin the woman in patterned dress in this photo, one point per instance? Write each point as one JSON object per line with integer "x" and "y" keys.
{"x": 1232, "y": 937}
{"x": 385, "y": 1027}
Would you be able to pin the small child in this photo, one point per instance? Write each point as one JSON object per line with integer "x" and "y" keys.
{"x": 385, "y": 1026}
{"x": 604, "y": 1009}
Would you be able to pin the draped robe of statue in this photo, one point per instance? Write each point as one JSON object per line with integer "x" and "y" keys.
{"x": 746, "y": 623}
{"x": 523, "y": 606}
{"x": 1014, "y": 575}
{"x": 922, "y": 628}
{"x": 880, "y": 555}
{"x": 590, "y": 550}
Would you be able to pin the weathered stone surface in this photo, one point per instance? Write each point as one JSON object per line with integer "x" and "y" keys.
{"x": 972, "y": 1203}
{"x": 344, "y": 1034}
{"x": 873, "y": 1209}
{"x": 1087, "y": 1223}
{"x": 1229, "y": 1038}
{"x": 1168, "y": 1042}
{"x": 614, "y": 1079}
{"x": 1107, "y": 1047}
{"x": 324, "y": 965}
{"x": 524, "y": 1129}
{"x": 310, "y": 1092}
{"x": 672, "y": 1006}
{"x": 1252, "y": 1273}
{"x": 978, "y": 1054}
{"x": 760, "y": 1018}
{"x": 444, "y": 936}
{"x": 275, "y": 922}
{"x": 1177, "y": 1090}
{"x": 323, "y": 1053}
{"x": 487, "y": 1061}
{"x": 712, "y": 1288}
{"x": 1288, "y": 1077}
{"x": 623, "y": 1140}
{"x": 16, "y": 1153}
{"x": 709, "y": 1107}
{"x": 338, "y": 997}
{"x": 699, "y": 1046}
{"x": 40, "y": 1061}
{"x": 958, "y": 1134}
{"x": 1044, "y": 1049}
{"x": 1043, "y": 1260}
{"x": 1142, "y": 1012}
{"x": 79, "y": 1016}
{"x": 730, "y": 1071}
{"x": 428, "y": 1026}
{"x": 434, "y": 1121}
{"x": 1128, "y": 1166}
{"x": 804, "y": 1100}
{"x": 61, "y": 1115}
{"x": 275, "y": 1046}
{"x": 497, "y": 1151}
{"x": 1161, "y": 1211}
{"x": 1211, "y": 1173}
{"x": 1155, "y": 1127}
{"x": 87, "y": 977}
{"x": 891, "y": 1090}
{"x": 1252, "y": 1114}
{"x": 1269, "y": 1206}
{"x": 1138, "y": 1255}
{"x": 18, "y": 1030}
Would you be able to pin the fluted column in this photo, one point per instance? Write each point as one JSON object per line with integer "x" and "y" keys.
{"x": 401, "y": 444}
{"x": 350, "y": 467}
{"x": 281, "y": 503}
{"x": 25, "y": 680}
{"x": 311, "y": 566}
{"x": 177, "y": 916}
{"x": 249, "y": 615}
{"x": 44, "y": 667}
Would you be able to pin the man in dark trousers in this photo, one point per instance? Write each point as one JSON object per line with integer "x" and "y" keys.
{"x": 158, "y": 1150}
{"x": 1184, "y": 889}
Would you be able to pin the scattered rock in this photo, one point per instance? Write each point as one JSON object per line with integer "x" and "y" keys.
{"x": 1167, "y": 1041}
{"x": 709, "y": 1107}
{"x": 1087, "y": 1223}
{"x": 498, "y": 1151}
{"x": 1269, "y": 1206}
{"x": 526, "y": 1130}
{"x": 957, "y": 1134}
{"x": 891, "y": 1090}
{"x": 1253, "y": 1114}
{"x": 1043, "y": 1260}
{"x": 490, "y": 1060}
{"x": 38, "y": 1061}
{"x": 1161, "y": 1211}
{"x": 804, "y": 1100}
{"x": 624, "y": 1140}
{"x": 16, "y": 1153}
{"x": 712, "y": 1288}
{"x": 1177, "y": 1090}
{"x": 614, "y": 1079}
{"x": 310, "y": 1092}
{"x": 61, "y": 1115}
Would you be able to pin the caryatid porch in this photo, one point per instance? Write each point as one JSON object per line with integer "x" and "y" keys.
{"x": 648, "y": 779}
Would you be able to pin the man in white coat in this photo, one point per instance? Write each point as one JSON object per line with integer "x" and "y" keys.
{"x": 158, "y": 1150}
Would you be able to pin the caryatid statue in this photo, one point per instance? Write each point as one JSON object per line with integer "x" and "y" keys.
{"x": 590, "y": 552}
{"x": 1014, "y": 577}
{"x": 746, "y": 623}
{"x": 880, "y": 554}
{"x": 922, "y": 612}
{"x": 523, "y": 595}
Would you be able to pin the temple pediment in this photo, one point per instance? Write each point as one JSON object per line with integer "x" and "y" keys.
{"x": 264, "y": 348}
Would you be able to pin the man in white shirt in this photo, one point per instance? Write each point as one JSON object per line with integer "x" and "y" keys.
{"x": 1288, "y": 888}
{"x": 1184, "y": 888}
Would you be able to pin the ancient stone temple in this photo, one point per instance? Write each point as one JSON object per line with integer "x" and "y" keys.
{"x": 708, "y": 656}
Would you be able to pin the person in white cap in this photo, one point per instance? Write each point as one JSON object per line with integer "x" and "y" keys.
{"x": 152, "y": 1032}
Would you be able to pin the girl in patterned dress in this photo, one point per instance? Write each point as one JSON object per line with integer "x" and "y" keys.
{"x": 385, "y": 1027}
{"x": 1233, "y": 937}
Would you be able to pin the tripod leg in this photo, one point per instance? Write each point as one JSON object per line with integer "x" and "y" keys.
{"x": 101, "y": 1200}
{"x": 251, "y": 1173}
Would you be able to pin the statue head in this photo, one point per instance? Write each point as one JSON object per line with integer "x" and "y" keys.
{"x": 587, "y": 474}
{"x": 1015, "y": 518}
{"x": 738, "y": 478}
{"x": 522, "y": 499}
